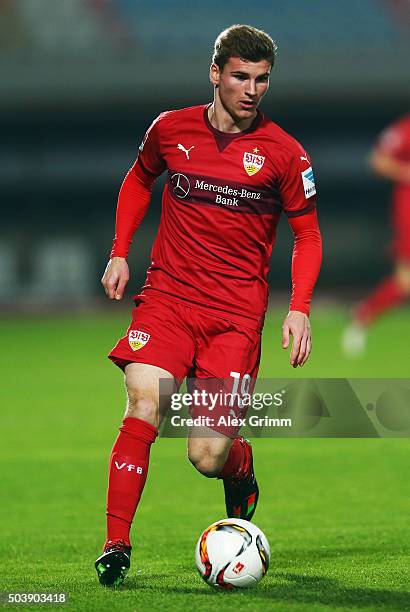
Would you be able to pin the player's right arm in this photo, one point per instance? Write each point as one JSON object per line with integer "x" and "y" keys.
{"x": 133, "y": 202}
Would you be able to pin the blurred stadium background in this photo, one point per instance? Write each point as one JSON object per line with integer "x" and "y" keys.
{"x": 82, "y": 80}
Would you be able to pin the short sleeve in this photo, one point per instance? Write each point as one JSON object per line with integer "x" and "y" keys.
{"x": 150, "y": 159}
{"x": 297, "y": 186}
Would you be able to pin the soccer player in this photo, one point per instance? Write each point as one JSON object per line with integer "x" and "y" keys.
{"x": 231, "y": 171}
{"x": 390, "y": 159}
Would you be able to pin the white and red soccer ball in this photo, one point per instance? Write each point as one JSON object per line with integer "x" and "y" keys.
{"x": 232, "y": 553}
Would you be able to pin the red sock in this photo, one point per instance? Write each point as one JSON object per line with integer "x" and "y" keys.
{"x": 239, "y": 460}
{"x": 386, "y": 295}
{"x": 127, "y": 475}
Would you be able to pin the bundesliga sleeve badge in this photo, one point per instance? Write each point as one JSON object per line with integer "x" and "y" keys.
{"x": 252, "y": 163}
{"x": 308, "y": 182}
{"x": 137, "y": 339}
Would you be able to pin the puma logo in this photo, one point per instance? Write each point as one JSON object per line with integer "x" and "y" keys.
{"x": 186, "y": 151}
{"x": 302, "y": 157}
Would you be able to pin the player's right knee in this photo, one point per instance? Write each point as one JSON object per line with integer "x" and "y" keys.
{"x": 142, "y": 406}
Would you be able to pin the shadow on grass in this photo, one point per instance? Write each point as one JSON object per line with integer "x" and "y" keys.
{"x": 291, "y": 588}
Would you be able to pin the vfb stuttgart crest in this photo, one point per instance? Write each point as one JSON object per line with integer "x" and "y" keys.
{"x": 252, "y": 163}
{"x": 137, "y": 339}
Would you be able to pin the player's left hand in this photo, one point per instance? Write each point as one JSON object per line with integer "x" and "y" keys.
{"x": 297, "y": 324}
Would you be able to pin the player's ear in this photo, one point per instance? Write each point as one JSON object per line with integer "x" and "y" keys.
{"x": 214, "y": 74}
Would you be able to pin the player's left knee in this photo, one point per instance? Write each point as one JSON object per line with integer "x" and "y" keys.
{"x": 205, "y": 462}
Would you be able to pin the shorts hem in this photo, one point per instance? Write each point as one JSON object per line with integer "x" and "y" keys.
{"x": 122, "y": 361}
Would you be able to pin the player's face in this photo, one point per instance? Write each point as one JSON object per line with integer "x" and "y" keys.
{"x": 241, "y": 86}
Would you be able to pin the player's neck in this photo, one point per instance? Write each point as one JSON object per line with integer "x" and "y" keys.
{"x": 224, "y": 122}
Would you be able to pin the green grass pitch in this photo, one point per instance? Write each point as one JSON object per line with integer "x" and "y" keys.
{"x": 336, "y": 511}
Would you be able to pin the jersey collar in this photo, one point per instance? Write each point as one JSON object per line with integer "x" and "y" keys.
{"x": 223, "y": 139}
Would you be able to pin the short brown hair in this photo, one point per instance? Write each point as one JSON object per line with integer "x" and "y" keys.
{"x": 246, "y": 42}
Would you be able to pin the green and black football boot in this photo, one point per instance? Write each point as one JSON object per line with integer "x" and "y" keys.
{"x": 242, "y": 492}
{"x": 113, "y": 565}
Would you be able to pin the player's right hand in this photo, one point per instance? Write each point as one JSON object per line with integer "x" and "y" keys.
{"x": 115, "y": 278}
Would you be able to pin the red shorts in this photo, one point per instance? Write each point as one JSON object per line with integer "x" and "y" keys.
{"x": 188, "y": 341}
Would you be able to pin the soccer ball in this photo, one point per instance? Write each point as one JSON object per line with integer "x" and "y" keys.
{"x": 232, "y": 553}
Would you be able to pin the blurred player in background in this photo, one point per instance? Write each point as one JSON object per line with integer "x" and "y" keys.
{"x": 231, "y": 172}
{"x": 390, "y": 159}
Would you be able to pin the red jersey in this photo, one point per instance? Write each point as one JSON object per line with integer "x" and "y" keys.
{"x": 221, "y": 206}
{"x": 395, "y": 142}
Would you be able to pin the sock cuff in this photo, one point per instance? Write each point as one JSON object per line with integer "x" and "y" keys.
{"x": 238, "y": 461}
{"x": 137, "y": 428}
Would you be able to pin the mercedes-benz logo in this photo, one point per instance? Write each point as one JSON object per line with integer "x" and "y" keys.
{"x": 180, "y": 185}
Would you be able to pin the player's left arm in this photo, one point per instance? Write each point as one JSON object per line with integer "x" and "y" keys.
{"x": 298, "y": 194}
{"x": 306, "y": 262}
